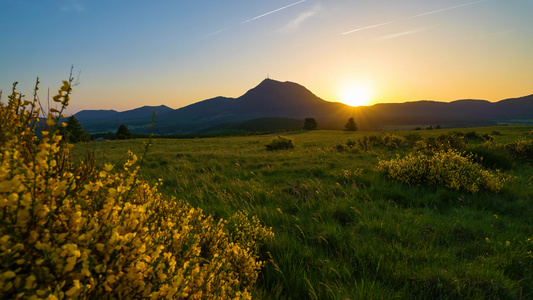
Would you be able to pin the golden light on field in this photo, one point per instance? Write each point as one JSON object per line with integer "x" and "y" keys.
{"x": 356, "y": 94}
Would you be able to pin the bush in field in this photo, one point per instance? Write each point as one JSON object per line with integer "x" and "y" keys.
{"x": 472, "y": 135}
{"x": 491, "y": 156}
{"x": 351, "y": 143}
{"x": 75, "y": 231}
{"x": 521, "y": 148}
{"x": 367, "y": 142}
{"x": 391, "y": 141}
{"x": 446, "y": 168}
{"x": 413, "y": 137}
{"x": 280, "y": 143}
{"x": 442, "y": 142}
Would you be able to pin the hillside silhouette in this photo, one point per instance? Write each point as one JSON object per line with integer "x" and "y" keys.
{"x": 276, "y": 103}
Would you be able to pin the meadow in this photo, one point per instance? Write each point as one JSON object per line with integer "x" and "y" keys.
{"x": 343, "y": 228}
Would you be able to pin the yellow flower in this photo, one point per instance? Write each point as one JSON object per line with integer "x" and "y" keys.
{"x": 73, "y": 289}
{"x": 9, "y": 274}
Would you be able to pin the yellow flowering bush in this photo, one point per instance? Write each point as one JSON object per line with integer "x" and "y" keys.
{"x": 74, "y": 231}
{"x": 448, "y": 168}
{"x": 522, "y": 148}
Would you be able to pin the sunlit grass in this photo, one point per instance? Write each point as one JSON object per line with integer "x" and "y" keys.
{"x": 342, "y": 230}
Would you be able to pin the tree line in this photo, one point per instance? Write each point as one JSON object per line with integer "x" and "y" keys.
{"x": 311, "y": 124}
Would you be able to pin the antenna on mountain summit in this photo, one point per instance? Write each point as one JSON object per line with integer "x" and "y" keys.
{"x": 268, "y": 77}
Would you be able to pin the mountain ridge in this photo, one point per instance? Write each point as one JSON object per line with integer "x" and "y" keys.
{"x": 272, "y": 99}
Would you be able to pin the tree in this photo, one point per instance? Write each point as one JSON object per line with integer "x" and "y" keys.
{"x": 310, "y": 124}
{"x": 74, "y": 131}
{"x": 351, "y": 125}
{"x": 123, "y": 133}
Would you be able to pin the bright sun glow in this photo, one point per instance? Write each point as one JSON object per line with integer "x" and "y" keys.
{"x": 356, "y": 94}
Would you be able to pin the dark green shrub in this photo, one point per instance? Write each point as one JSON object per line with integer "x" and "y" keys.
{"x": 339, "y": 148}
{"x": 491, "y": 157}
{"x": 351, "y": 143}
{"x": 280, "y": 143}
{"x": 472, "y": 135}
{"x": 390, "y": 141}
{"x": 453, "y": 140}
{"x": 413, "y": 137}
{"x": 487, "y": 138}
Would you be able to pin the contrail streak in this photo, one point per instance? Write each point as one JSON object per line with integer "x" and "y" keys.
{"x": 216, "y": 32}
{"x": 399, "y": 34}
{"x": 415, "y": 16}
{"x": 444, "y": 9}
{"x": 271, "y": 12}
{"x": 367, "y": 27}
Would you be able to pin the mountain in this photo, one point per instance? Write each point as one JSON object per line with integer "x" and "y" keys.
{"x": 141, "y": 112}
{"x": 269, "y": 99}
{"x": 272, "y": 105}
{"x": 99, "y": 114}
{"x": 137, "y": 119}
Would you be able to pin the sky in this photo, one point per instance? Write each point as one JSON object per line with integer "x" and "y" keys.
{"x": 130, "y": 53}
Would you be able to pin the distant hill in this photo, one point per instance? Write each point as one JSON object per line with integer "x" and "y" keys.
{"x": 95, "y": 114}
{"x": 137, "y": 119}
{"x": 141, "y": 112}
{"x": 272, "y": 103}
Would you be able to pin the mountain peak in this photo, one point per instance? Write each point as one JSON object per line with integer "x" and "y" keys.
{"x": 273, "y": 91}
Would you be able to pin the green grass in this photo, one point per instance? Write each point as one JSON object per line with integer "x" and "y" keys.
{"x": 344, "y": 231}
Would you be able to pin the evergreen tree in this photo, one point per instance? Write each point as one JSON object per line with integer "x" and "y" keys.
{"x": 310, "y": 124}
{"x": 123, "y": 133}
{"x": 74, "y": 131}
{"x": 351, "y": 125}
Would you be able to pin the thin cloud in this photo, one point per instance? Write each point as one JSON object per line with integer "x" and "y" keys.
{"x": 416, "y": 16}
{"x": 294, "y": 25}
{"x": 216, "y": 32}
{"x": 444, "y": 9}
{"x": 258, "y": 17}
{"x": 400, "y": 34}
{"x": 367, "y": 27}
{"x": 271, "y": 12}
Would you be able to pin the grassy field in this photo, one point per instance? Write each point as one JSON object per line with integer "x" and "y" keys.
{"x": 342, "y": 229}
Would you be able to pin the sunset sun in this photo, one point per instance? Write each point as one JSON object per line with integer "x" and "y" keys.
{"x": 356, "y": 94}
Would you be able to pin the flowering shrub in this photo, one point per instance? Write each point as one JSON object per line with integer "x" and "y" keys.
{"x": 521, "y": 148}
{"x": 446, "y": 168}
{"x": 78, "y": 232}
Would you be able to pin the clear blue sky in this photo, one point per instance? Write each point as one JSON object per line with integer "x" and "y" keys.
{"x": 133, "y": 53}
